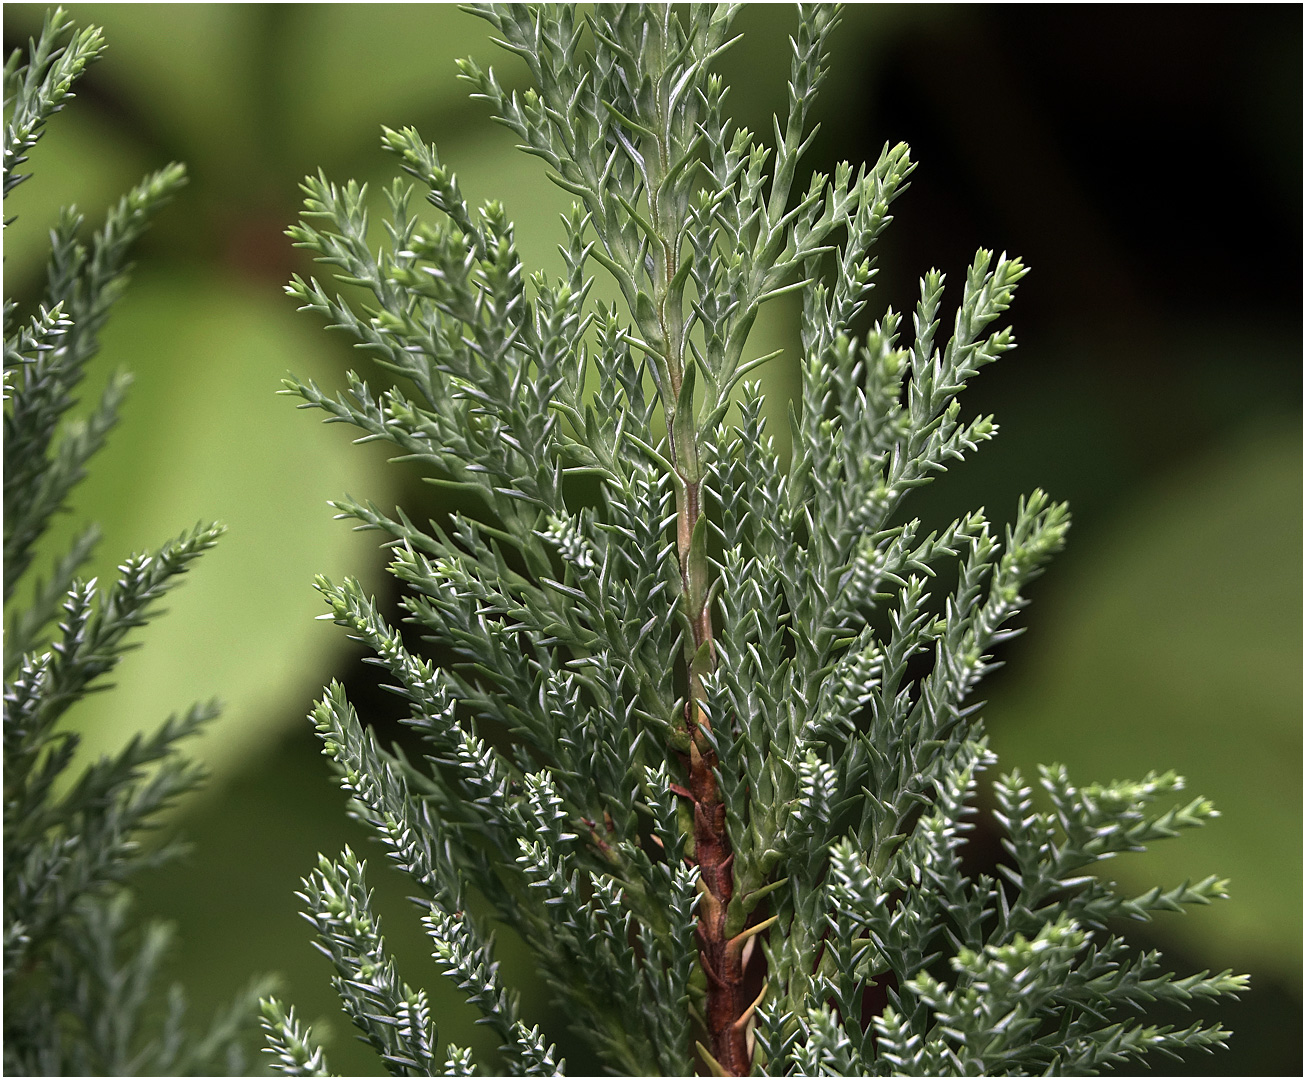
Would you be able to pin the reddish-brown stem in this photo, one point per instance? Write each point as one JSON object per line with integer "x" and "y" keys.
{"x": 722, "y": 958}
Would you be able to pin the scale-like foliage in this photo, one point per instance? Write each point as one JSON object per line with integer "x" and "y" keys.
{"x": 708, "y": 740}
{"x": 79, "y": 971}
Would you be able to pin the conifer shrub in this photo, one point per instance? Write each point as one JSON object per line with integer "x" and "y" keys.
{"x": 709, "y": 741}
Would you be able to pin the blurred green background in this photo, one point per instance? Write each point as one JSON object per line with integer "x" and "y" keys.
{"x": 1145, "y": 161}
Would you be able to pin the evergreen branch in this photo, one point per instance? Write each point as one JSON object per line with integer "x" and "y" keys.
{"x": 42, "y": 86}
{"x": 90, "y": 640}
{"x": 60, "y": 851}
{"x": 379, "y": 794}
{"x": 45, "y": 488}
{"x": 707, "y": 741}
{"x": 469, "y": 961}
{"x": 79, "y": 972}
{"x": 83, "y": 287}
{"x": 393, "y": 1017}
{"x": 459, "y": 1062}
{"x": 28, "y": 627}
{"x": 290, "y": 1043}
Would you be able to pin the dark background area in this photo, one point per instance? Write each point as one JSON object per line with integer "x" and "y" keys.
{"x": 1146, "y": 161}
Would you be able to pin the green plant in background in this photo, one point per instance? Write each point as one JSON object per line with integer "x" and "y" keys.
{"x": 79, "y": 971}
{"x": 705, "y": 739}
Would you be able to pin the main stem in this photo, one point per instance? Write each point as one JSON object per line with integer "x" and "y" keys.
{"x": 722, "y": 960}
{"x": 721, "y": 957}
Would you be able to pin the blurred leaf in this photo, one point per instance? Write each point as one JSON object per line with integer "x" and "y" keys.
{"x": 1179, "y": 646}
{"x": 205, "y": 436}
{"x": 196, "y": 92}
{"x": 328, "y": 108}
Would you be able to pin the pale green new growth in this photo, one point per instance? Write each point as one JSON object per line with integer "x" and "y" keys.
{"x": 709, "y": 740}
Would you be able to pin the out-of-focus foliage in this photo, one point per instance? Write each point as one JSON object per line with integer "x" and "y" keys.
{"x": 202, "y": 429}
{"x": 202, "y": 433}
{"x": 80, "y": 993}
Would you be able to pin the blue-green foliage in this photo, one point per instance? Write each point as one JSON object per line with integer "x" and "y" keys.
{"x": 79, "y": 971}
{"x": 837, "y": 681}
